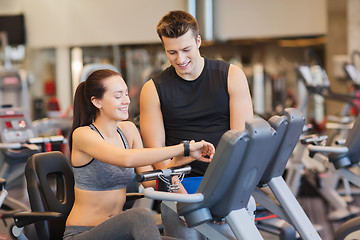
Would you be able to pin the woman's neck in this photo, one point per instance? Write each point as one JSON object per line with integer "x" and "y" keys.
{"x": 107, "y": 128}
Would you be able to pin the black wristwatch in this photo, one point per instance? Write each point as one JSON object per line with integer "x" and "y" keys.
{"x": 186, "y": 148}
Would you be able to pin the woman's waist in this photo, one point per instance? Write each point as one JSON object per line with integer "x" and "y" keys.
{"x": 92, "y": 208}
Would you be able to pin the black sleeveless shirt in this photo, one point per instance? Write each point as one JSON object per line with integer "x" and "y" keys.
{"x": 197, "y": 109}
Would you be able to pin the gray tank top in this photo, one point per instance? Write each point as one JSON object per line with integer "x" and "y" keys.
{"x": 99, "y": 176}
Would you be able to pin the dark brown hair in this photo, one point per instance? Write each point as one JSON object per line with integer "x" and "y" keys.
{"x": 84, "y": 111}
{"x": 176, "y": 23}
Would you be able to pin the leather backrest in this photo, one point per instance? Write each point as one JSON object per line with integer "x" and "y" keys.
{"x": 50, "y": 185}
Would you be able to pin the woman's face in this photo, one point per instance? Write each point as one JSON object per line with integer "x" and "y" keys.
{"x": 115, "y": 102}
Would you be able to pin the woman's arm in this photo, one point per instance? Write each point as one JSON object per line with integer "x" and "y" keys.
{"x": 133, "y": 137}
{"x": 88, "y": 141}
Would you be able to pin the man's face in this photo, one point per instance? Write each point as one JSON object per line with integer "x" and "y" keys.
{"x": 183, "y": 54}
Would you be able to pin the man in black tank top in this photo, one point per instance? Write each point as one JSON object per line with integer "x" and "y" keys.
{"x": 195, "y": 98}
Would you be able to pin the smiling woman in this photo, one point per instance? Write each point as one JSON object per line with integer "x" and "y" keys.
{"x": 105, "y": 150}
{"x": 116, "y": 99}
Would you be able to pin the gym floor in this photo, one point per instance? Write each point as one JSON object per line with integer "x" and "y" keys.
{"x": 314, "y": 206}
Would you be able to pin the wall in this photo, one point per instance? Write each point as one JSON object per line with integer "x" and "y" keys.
{"x": 92, "y": 22}
{"x": 353, "y": 25}
{"x": 106, "y": 22}
{"x": 343, "y": 39}
{"x": 11, "y": 7}
{"x": 237, "y": 19}
{"x": 336, "y": 46}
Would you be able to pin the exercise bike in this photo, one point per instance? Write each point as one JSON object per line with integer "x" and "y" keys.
{"x": 18, "y": 142}
{"x": 51, "y": 204}
{"x": 243, "y": 162}
{"x": 351, "y": 228}
{"x": 10, "y": 206}
{"x": 317, "y": 85}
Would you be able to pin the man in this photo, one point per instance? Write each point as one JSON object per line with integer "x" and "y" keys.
{"x": 195, "y": 98}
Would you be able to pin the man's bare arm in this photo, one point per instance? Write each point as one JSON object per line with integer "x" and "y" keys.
{"x": 241, "y": 108}
{"x": 151, "y": 120}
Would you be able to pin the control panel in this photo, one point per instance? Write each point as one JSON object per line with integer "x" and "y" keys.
{"x": 15, "y": 125}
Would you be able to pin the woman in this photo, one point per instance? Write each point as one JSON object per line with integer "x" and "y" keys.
{"x": 105, "y": 149}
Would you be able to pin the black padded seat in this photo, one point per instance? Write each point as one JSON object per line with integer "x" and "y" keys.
{"x": 40, "y": 169}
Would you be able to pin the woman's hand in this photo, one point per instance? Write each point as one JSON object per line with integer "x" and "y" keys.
{"x": 202, "y": 151}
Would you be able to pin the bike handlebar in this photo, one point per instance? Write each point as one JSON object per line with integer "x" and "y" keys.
{"x": 152, "y": 175}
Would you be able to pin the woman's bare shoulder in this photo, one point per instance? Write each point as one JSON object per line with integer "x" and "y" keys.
{"x": 127, "y": 126}
{"x": 131, "y": 133}
{"x": 82, "y": 130}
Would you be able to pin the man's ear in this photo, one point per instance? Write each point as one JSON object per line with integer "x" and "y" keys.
{"x": 96, "y": 102}
{"x": 198, "y": 40}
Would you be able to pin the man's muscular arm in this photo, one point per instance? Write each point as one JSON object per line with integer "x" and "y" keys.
{"x": 241, "y": 108}
{"x": 151, "y": 120}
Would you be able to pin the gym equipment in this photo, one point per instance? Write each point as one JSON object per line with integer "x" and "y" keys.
{"x": 15, "y": 125}
{"x": 315, "y": 80}
{"x": 15, "y": 128}
{"x": 165, "y": 177}
{"x": 317, "y": 84}
{"x": 328, "y": 183}
{"x": 348, "y": 230}
{"x": 290, "y": 127}
{"x": 13, "y": 89}
{"x": 354, "y": 76}
{"x": 241, "y": 161}
{"x": 351, "y": 71}
{"x": 19, "y": 142}
{"x": 52, "y": 126}
{"x": 13, "y": 85}
{"x": 215, "y": 185}
{"x": 10, "y": 206}
{"x": 342, "y": 160}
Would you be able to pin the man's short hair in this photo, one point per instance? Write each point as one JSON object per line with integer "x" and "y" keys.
{"x": 176, "y": 23}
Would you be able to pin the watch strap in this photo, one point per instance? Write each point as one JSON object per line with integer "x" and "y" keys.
{"x": 186, "y": 148}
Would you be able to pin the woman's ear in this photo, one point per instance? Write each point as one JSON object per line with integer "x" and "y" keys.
{"x": 96, "y": 102}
